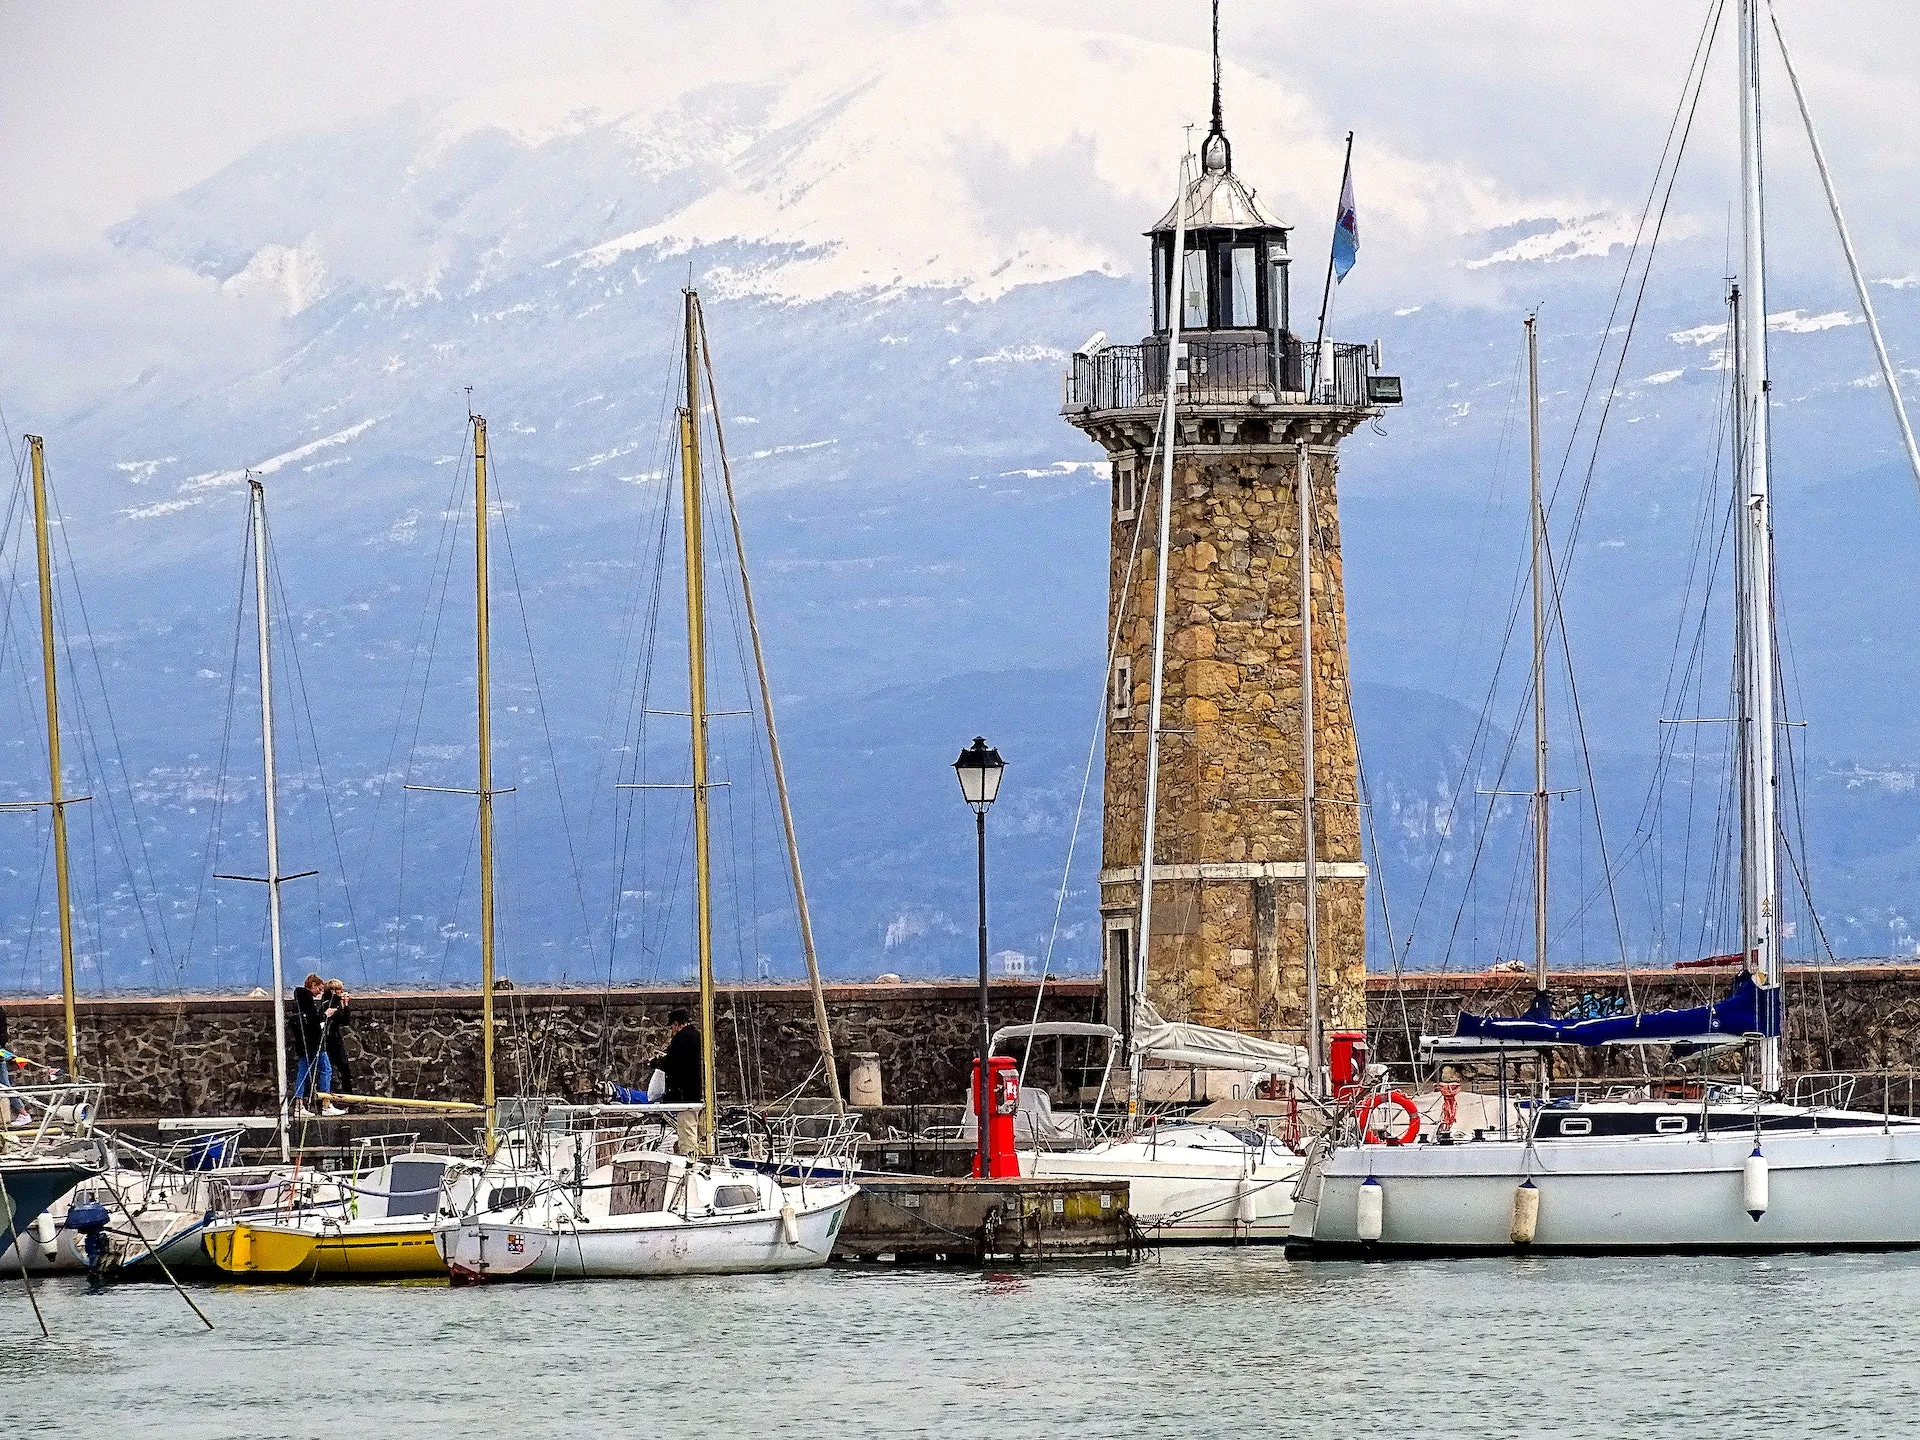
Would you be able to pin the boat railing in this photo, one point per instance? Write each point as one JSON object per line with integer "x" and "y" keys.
{"x": 36, "y": 1117}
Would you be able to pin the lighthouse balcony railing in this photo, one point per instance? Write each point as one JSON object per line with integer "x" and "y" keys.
{"x": 1222, "y": 371}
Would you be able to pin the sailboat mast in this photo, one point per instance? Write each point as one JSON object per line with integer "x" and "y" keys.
{"x": 1762, "y": 898}
{"x": 483, "y": 650}
{"x": 258, "y": 508}
{"x": 1310, "y": 857}
{"x": 1175, "y": 371}
{"x": 821, "y": 1023}
{"x": 1538, "y": 522}
{"x": 43, "y": 551}
{"x": 697, "y": 707}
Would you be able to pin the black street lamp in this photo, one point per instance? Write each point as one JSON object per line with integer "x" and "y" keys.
{"x": 979, "y": 768}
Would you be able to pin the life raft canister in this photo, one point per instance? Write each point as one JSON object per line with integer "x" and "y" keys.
{"x": 1370, "y": 1136}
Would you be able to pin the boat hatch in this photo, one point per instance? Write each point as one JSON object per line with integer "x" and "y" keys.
{"x": 735, "y": 1197}
{"x": 413, "y": 1187}
{"x": 639, "y": 1187}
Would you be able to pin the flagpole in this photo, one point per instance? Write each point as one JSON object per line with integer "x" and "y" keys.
{"x": 1320, "y": 369}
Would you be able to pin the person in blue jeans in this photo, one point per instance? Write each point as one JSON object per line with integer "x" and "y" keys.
{"x": 309, "y": 1025}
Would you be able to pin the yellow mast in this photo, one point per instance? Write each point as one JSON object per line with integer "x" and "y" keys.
{"x": 482, "y": 648}
{"x": 58, "y": 799}
{"x": 697, "y": 707}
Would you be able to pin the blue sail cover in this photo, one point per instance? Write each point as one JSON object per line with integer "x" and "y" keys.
{"x": 1746, "y": 1010}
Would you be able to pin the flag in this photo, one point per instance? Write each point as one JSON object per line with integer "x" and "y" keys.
{"x": 1346, "y": 229}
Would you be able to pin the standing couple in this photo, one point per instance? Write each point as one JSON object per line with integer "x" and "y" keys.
{"x": 322, "y": 1011}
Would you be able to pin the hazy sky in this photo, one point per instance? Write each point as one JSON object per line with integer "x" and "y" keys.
{"x": 1470, "y": 116}
{"x": 111, "y": 106}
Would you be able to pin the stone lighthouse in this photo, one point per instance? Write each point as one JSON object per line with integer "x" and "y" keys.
{"x": 1260, "y": 412}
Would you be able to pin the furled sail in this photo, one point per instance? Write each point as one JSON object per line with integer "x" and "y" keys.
{"x": 1744, "y": 1011}
{"x": 1177, "y": 1043}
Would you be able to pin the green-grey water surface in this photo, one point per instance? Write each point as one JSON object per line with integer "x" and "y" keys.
{"x": 1189, "y": 1344}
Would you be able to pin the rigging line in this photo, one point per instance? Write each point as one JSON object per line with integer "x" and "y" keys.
{"x": 277, "y": 578}
{"x": 113, "y": 732}
{"x": 450, "y": 513}
{"x": 466, "y": 868}
{"x": 1482, "y": 731}
{"x": 1695, "y": 79}
{"x": 634, "y": 738}
{"x": 1100, "y": 714}
{"x": 211, "y": 847}
{"x": 540, "y": 701}
{"x": 1632, "y": 325}
{"x": 656, "y": 462}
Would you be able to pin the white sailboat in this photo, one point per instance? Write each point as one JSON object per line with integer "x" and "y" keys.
{"x": 574, "y": 1201}
{"x": 1727, "y": 1167}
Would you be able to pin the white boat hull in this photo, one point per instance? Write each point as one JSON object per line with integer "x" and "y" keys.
{"x": 1837, "y": 1188}
{"x": 652, "y": 1245}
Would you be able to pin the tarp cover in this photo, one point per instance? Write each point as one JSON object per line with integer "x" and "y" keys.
{"x": 1745, "y": 1010}
{"x": 1208, "y": 1049}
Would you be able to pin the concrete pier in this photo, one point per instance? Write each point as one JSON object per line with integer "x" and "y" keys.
{"x": 917, "y": 1218}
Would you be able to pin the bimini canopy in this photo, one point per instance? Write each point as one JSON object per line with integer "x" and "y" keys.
{"x": 1048, "y": 1028}
{"x": 1205, "y": 1048}
{"x": 1744, "y": 1012}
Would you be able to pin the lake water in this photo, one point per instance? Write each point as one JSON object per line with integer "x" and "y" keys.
{"x": 1192, "y": 1343}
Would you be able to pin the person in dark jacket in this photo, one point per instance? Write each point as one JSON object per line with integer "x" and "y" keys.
{"x": 309, "y": 1030}
{"x": 681, "y": 1066}
{"x": 336, "y": 1015}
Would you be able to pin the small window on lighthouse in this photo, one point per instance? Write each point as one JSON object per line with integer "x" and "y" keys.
{"x": 1193, "y": 311}
{"x": 1120, "y": 700}
{"x": 1244, "y": 275}
{"x": 1124, "y": 491}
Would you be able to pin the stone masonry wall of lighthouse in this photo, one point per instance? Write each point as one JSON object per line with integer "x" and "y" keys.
{"x": 1229, "y": 944}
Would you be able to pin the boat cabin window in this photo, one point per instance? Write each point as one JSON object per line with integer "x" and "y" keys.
{"x": 413, "y": 1187}
{"x": 639, "y": 1187}
{"x": 1670, "y": 1125}
{"x": 507, "y": 1197}
{"x": 735, "y": 1197}
{"x": 1576, "y": 1125}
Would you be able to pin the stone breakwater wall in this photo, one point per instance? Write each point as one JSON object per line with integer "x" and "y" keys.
{"x": 213, "y": 1054}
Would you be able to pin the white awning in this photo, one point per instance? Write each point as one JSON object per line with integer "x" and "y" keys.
{"x": 1209, "y": 1049}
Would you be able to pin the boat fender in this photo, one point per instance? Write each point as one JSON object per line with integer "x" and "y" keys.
{"x": 1753, "y": 1184}
{"x": 789, "y": 1224}
{"x": 1369, "y": 1136}
{"x": 1372, "y": 1214}
{"x": 1526, "y": 1213}
{"x": 43, "y": 1229}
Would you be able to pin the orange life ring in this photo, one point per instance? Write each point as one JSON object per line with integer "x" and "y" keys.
{"x": 1369, "y": 1136}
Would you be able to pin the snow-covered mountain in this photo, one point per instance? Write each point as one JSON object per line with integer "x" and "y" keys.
{"x": 896, "y": 248}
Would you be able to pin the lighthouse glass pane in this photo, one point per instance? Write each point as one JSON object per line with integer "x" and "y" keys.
{"x": 1244, "y": 299}
{"x": 1161, "y": 250}
{"x": 1193, "y": 311}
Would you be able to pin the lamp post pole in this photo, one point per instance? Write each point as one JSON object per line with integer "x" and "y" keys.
{"x": 979, "y": 768}
{"x": 982, "y": 1100}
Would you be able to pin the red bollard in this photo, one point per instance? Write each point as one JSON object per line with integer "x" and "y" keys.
{"x": 1006, "y": 1103}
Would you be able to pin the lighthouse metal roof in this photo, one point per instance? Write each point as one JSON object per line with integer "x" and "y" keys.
{"x": 1217, "y": 200}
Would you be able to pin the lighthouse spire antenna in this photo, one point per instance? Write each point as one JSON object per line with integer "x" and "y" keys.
{"x": 1216, "y": 153}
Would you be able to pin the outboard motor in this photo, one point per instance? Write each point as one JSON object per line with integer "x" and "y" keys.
{"x": 89, "y": 1221}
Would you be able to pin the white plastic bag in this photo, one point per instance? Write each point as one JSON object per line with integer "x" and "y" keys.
{"x": 656, "y": 1084}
